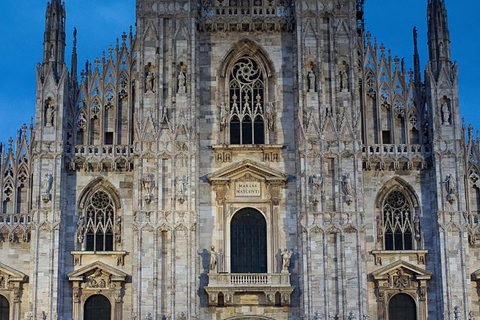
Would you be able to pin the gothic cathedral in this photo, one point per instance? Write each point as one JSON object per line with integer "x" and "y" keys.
{"x": 242, "y": 159}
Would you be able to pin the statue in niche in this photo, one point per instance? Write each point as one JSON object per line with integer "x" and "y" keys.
{"x": 315, "y": 183}
{"x": 270, "y": 116}
{"x": 47, "y": 187}
{"x": 212, "y": 265}
{"x": 148, "y": 187}
{"x": 311, "y": 80}
{"x": 118, "y": 230}
{"x": 182, "y": 80}
{"x": 286, "y": 257}
{"x": 347, "y": 188}
{"x": 49, "y": 113}
{"x": 150, "y": 78}
{"x": 223, "y": 117}
{"x": 451, "y": 188}
{"x": 445, "y": 112}
{"x": 343, "y": 76}
{"x": 182, "y": 189}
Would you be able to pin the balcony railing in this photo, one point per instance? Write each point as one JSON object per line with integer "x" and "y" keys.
{"x": 110, "y": 150}
{"x": 249, "y": 279}
{"x": 394, "y": 149}
{"x": 224, "y": 287}
{"x": 13, "y": 219}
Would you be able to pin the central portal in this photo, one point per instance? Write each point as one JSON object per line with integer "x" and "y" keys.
{"x": 248, "y": 242}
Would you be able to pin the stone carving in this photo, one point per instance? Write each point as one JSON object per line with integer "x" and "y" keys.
{"x": 286, "y": 257}
{"x": 352, "y": 315}
{"x": 416, "y": 226}
{"x": 98, "y": 280}
{"x": 456, "y": 313}
{"x": 343, "y": 76}
{"x": 212, "y": 265}
{"x": 150, "y": 78}
{"x": 182, "y": 189}
{"x": 270, "y": 115}
{"x": 49, "y": 112}
{"x": 148, "y": 316}
{"x": 81, "y": 229}
{"x": 3, "y": 281}
{"x": 118, "y": 230}
{"x": 450, "y": 188}
{"x": 182, "y": 80}
{"x": 315, "y": 183}
{"x": 47, "y": 187}
{"x": 148, "y": 188}
{"x": 43, "y": 315}
{"x": 311, "y": 81}
{"x": 223, "y": 117}
{"x": 445, "y": 112}
{"x": 347, "y": 188}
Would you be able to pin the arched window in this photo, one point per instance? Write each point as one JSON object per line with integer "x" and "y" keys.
{"x": 97, "y": 307}
{"x": 398, "y": 225}
{"x": 247, "y": 103}
{"x": 402, "y": 307}
{"x": 248, "y": 238}
{"x": 100, "y": 222}
{"x": 4, "y": 308}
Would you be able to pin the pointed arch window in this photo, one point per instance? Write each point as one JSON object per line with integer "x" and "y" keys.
{"x": 100, "y": 222}
{"x": 247, "y": 102}
{"x": 398, "y": 223}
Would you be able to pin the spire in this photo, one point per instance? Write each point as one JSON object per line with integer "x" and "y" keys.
{"x": 416, "y": 57}
{"x": 54, "y": 37}
{"x": 438, "y": 34}
{"x": 74, "y": 56}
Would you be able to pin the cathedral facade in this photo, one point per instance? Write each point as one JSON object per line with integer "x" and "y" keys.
{"x": 242, "y": 159}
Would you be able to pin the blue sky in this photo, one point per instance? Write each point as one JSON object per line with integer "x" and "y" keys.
{"x": 100, "y": 22}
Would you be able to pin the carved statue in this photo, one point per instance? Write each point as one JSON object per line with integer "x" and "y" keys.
{"x": 149, "y": 82}
{"x": 148, "y": 187}
{"x": 81, "y": 229}
{"x": 343, "y": 76}
{"x": 49, "y": 114}
{"x": 351, "y": 315}
{"x": 223, "y": 117}
{"x": 149, "y": 78}
{"x": 451, "y": 188}
{"x": 445, "y": 113}
{"x": 347, "y": 188}
{"x": 286, "y": 257}
{"x": 47, "y": 187}
{"x": 311, "y": 81}
{"x": 315, "y": 184}
{"x": 182, "y": 82}
{"x": 416, "y": 226}
{"x": 182, "y": 189}
{"x": 212, "y": 265}
{"x": 118, "y": 230}
{"x": 148, "y": 316}
{"x": 270, "y": 115}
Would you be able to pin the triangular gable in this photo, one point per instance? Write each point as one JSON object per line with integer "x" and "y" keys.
{"x": 115, "y": 274}
{"x": 13, "y": 274}
{"x": 239, "y": 169}
{"x": 419, "y": 273}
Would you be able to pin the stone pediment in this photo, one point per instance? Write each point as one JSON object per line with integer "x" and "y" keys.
{"x": 98, "y": 271}
{"x": 476, "y": 276}
{"x": 248, "y": 168}
{"x": 401, "y": 267}
{"x": 8, "y": 274}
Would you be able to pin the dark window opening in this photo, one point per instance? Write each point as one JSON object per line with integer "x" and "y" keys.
{"x": 4, "y": 308}
{"x": 97, "y": 307}
{"x": 109, "y": 138}
{"x": 386, "y": 139}
{"x": 402, "y": 307}
{"x": 248, "y": 242}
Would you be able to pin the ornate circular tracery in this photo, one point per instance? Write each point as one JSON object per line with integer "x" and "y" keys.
{"x": 398, "y": 226}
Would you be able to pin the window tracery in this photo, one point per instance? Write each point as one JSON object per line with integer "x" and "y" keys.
{"x": 100, "y": 230}
{"x": 247, "y": 103}
{"x": 398, "y": 223}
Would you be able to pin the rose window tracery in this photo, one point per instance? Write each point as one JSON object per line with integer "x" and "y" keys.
{"x": 247, "y": 100}
{"x": 398, "y": 226}
{"x": 100, "y": 217}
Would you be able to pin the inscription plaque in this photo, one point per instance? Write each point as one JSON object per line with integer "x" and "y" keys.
{"x": 248, "y": 189}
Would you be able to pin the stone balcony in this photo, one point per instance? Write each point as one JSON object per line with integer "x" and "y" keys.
{"x": 101, "y": 157}
{"x": 229, "y": 289}
{"x": 395, "y": 157}
{"x": 267, "y": 15}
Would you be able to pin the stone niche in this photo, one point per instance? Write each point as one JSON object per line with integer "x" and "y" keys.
{"x": 248, "y": 184}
